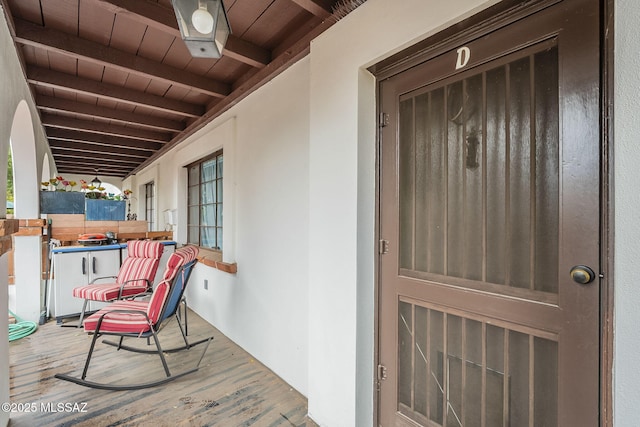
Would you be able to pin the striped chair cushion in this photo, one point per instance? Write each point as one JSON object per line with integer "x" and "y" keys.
{"x": 106, "y": 291}
{"x": 135, "y": 323}
{"x": 144, "y": 249}
{"x": 120, "y": 322}
{"x": 177, "y": 259}
{"x": 141, "y": 263}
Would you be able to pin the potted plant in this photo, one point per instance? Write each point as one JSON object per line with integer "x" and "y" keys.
{"x": 57, "y": 197}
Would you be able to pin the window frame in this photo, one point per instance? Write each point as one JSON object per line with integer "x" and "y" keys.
{"x": 217, "y": 200}
{"x": 149, "y": 202}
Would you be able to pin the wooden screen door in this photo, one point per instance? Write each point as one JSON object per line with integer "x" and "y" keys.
{"x": 489, "y": 221}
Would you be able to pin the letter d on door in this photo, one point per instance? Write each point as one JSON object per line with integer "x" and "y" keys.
{"x": 464, "y": 54}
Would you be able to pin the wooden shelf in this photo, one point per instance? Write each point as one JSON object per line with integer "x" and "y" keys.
{"x": 220, "y": 265}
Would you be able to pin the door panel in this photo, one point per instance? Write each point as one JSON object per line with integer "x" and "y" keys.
{"x": 489, "y": 195}
{"x": 509, "y": 376}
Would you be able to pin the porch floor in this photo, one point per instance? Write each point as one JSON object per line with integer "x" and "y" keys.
{"x": 229, "y": 389}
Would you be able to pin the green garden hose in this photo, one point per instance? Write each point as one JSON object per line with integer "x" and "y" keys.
{"x": 21, "y": 328}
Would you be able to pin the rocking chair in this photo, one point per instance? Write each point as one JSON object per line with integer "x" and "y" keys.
{"x": 135, "y": 277}
{"x": 144, "y": 319}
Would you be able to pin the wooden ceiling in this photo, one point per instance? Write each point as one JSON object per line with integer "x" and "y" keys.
{"x": 116, "y": 87}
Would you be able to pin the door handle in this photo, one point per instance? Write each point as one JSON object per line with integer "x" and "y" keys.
{"x": 93, "y": 264}
{"x": 582, "y": 274}
{"x": 84, "y": 266}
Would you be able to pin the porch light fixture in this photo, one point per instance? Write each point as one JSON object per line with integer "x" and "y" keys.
{"x": 203, "y": 25}
{"x": 96, "y": 182}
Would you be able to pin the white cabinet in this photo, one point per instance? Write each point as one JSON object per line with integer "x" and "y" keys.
{"x": 78, "y": 266}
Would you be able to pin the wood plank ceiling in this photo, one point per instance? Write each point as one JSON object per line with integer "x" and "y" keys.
{"x": 116, "y": 87}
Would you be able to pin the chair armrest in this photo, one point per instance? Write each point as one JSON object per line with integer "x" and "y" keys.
{"x": 122, "y": 285}
{"x": 101, "y": 278}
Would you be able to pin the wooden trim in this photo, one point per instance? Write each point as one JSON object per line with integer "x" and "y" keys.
{"x": 29, "y": 231}
{"x": 7, "y": 228}
{"x": 486, "y": 21}
{"x": 231, "y": 268}
{"x": 607, "y": 219}
{"x": 131, "y": 236}
{"x": 33, "y": 222}
{"x": 319, "y": 8}
{"x": 159, "y": 235}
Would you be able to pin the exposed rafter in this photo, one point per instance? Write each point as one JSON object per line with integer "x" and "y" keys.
{"x": 116, "y": 88}
{"x": 317, "y": 7}
{"x": 57, "y": 80}
{"x": 163, "y": 19}
{"x": 95, "y": 53}
{"x": 89, "y": 111}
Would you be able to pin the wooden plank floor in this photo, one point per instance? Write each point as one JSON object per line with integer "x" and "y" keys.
{"x": 229, "y": 389}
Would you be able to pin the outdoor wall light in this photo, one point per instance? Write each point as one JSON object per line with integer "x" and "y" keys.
{"x": 96, "y": 182}
{"x": 203, "y": 25}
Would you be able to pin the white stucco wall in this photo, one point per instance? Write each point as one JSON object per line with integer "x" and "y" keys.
{"x": 263, "y": 307}
{"x": 627, "y": 208}
{"x": 342, "y": 171}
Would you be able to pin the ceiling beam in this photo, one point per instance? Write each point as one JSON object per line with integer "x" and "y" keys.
{"x": 88, "y": 147}
{"x": 320, "y": 8}
{"x": 58, "y": 80}
{"x": 91, "y": 159}
{"x": 163, "y": 19}
{"x": 34, "y": 35}
{"x": 104, "y": 170}
{"x": 95, "y": 138}
{"x": 278, "y": 65}
{"x": 51, "y": 104}
{"x": 62, "y": 122}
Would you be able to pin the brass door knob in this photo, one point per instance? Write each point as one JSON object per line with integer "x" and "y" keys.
{"x": 582, "y": 274}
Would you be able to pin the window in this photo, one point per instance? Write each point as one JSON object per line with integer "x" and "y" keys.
{"x": 204, "y": 202}
{"x": 149, "y": 195}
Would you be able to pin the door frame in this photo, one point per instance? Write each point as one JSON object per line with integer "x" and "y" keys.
{"x": 499, "y": 15}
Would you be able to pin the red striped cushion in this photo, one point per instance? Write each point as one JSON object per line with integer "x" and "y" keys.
{"x": 106, "y": 291}
{"x": 177, "y": 259}
{"x": 144, "y": 249}
{"x": 135, "y": 323}
{"x": 138, "y": 268}
{"x": 141, "y": 262}
{"x": 158, "y": 300}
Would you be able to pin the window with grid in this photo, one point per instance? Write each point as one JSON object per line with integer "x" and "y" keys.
{"x": 149, "y": 195}
{"x": 204, "y": 202}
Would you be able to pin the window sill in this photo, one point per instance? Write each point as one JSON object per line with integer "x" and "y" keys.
{"x": 222, "y": 266}
{"x": 213, "y": 258}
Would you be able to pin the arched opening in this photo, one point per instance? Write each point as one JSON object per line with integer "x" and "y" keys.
{"x": 26, "y": 293}
{"x": 10, "y": 198}
{"x": 46, "y": 169}
{"x": 23, "y": 151}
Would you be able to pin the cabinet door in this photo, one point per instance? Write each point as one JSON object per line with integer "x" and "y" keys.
{"x": 70, "y": 270}
{"x": 102, "y": 263}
